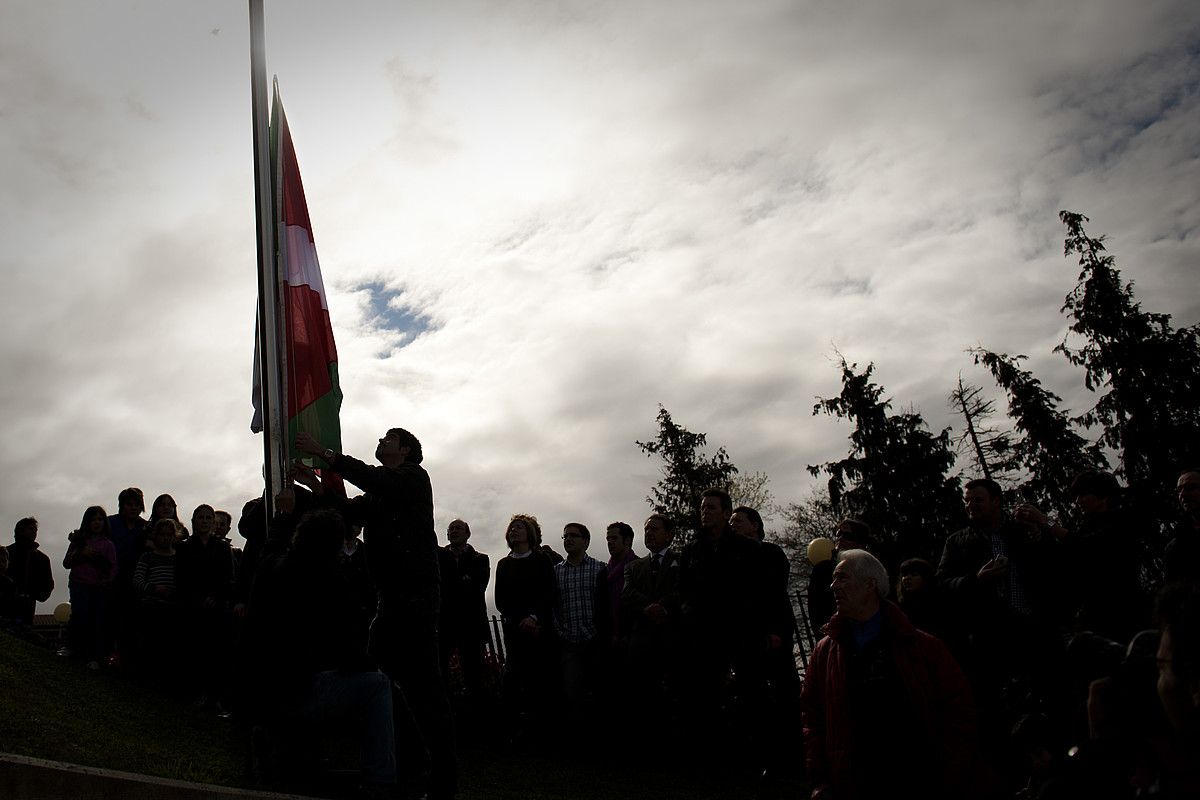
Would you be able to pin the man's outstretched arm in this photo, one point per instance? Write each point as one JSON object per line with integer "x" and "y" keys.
{"x": 366, "y": 477}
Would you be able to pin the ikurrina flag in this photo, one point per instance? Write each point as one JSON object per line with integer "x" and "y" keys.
{"x": 314, "y": 397}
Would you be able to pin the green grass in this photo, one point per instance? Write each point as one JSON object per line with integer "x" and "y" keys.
{"x": 56, "y": 709}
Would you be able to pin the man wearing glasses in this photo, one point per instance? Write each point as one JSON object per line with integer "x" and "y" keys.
{"x": 580, "y": 586}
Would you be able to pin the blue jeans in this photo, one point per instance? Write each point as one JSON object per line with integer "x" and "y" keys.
{"x": 87, "y": 632}
{"x": 365, "y": 696}
{"x": 406, "y": 647}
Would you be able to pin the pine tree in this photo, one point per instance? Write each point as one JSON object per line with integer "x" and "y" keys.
{"x": 1047, "y": 447}
{"x": 1147, "y": 371}
{"x": 686, "y": 473}
{"x": 895, "y": 475}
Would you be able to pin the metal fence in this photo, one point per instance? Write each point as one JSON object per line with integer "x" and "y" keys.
{"x": 50, "y": 629}
{"x": 804, "y": 636}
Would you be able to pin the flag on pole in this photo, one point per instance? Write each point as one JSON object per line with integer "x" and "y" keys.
{"x": 268, "y": 393}
{"x": 314, "y": 397}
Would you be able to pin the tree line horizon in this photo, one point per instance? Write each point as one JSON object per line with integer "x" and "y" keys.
{"x": 1144, "y": 427}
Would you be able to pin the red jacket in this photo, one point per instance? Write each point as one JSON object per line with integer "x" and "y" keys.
{"x": 937, "y": 689}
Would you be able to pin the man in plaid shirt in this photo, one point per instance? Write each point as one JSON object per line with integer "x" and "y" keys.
{"x": 580, "y": 580}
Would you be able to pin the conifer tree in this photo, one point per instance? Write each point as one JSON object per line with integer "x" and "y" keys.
{"x": 896, "y": 473}
{"x": 686, "y": 473}
{"x": 1146, "y": 371}
{"x": 1048, "y": 448}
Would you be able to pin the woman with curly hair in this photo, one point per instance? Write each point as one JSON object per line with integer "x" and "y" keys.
{"x": 525, "y": 590}
{"x": 92, "y": 560}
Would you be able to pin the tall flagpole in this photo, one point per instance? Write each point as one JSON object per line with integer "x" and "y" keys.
{"x": 270, "y": 379}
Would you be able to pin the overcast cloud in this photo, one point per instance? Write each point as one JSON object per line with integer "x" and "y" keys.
{"x": 538, "y": 221}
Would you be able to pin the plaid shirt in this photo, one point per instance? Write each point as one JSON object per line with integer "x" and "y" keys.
{"x": 575, "y": 609}
{"x": 1012, "y": 589}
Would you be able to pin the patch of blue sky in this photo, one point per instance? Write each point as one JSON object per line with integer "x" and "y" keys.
{"x": 1115, "y": 107}
{"x": 388, "y": 309}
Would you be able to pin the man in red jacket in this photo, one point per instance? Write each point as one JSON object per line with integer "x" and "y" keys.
{"x": 885, "y": 707}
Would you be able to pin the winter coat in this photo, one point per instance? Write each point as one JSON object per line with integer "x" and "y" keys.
{"x": 937, "y": 691}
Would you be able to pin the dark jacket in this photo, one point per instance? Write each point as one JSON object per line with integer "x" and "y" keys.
{"x": 269, "y": 542}
{"x": 777, "y": 569}
{"x": 725, "y": 591}
{"x": 299, "y": 612}
{"x": 926, "y": 609}
{"x": 525, "y": 587}
{"x": 204, "y": 571}
{"x": 967, "y": 550}
{"x": 820, "y": 596}
{"x": 130, "y": 543}
{"x": 1181, "y": 559}
{"x": 9, "y": 608}
{"x": 30, "y": 570}
{"x": 402, "y": 551}
{"x": 464, "y": 580}
{"x": 645, "y": 586}
{"x": 357, "y": 572}
{"x": 1105, "y": 594}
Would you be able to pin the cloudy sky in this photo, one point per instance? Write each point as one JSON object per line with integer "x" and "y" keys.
{"x": 538, "y": 221}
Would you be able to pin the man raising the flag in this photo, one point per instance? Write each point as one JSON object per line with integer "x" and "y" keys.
{"x": 397, "y": 518}
{"x": 297, "y": 398}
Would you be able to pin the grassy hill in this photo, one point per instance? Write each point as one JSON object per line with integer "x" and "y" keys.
{"x": 55, "y": 709}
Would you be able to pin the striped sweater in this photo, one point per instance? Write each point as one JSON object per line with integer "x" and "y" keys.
{"x": 154, "y": 569}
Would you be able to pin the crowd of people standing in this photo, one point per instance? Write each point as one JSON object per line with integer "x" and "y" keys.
{"x": 1031, "y": 639}
{"x": 973, "y": 677}
{"x": 134, "y": 584}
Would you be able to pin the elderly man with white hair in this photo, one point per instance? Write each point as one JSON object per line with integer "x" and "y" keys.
{"x": 885, "y": 707}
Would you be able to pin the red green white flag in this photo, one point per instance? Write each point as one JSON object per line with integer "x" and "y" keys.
{"x": 314, "y": 397}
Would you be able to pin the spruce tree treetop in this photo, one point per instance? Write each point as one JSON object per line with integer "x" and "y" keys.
{"x": 1146, "y": 371}
{"x": 896, "y": 473}
{"x": 686, "y": 473}
{"x": 1047, "y": 447}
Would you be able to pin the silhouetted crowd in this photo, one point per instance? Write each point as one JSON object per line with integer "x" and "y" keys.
{"x": 1034, "y": 660}
{"x": 1024, "y": 664}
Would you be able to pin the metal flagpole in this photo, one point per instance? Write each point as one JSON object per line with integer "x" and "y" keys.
{"x": 274, "y": 424}
{"x": 283, "y": 337}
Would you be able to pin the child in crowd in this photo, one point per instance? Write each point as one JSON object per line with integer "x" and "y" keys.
{"x": 92, "y": 560}
{"x": 158, "y": 612}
